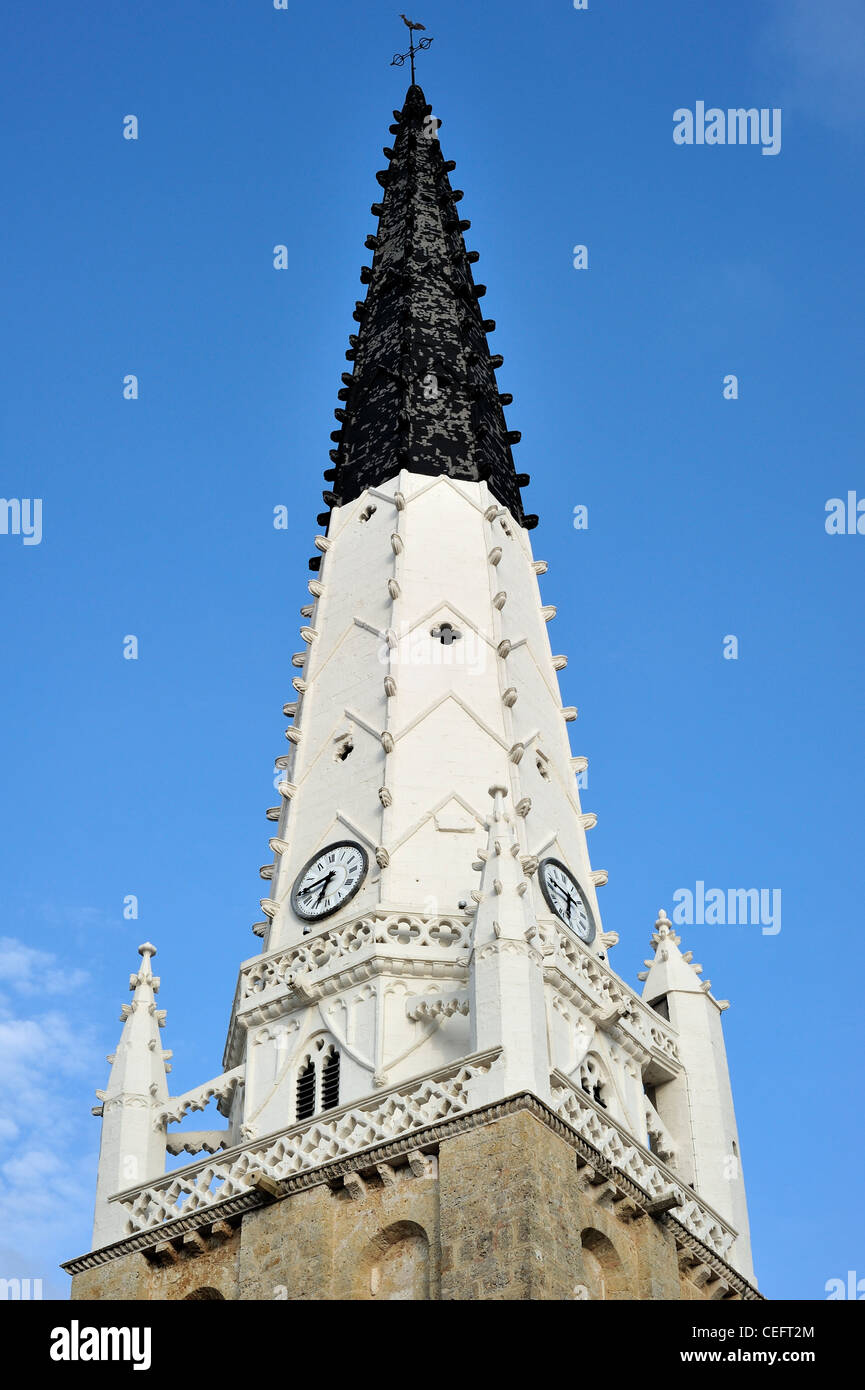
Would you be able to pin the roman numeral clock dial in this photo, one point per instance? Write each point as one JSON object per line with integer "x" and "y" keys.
{"x": 329, "y": 880}
{"x": 564, "y": 895}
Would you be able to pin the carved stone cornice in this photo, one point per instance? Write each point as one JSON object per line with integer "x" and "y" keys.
{"x": 578, "y": 975}
{"x": 285, "y": 999}
{"x": 379, "y": 943}
{"x": 510, "y": 946}
{"x": 633, "y": 1203}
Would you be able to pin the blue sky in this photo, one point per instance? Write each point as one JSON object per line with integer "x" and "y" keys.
{"x": 706, "y": 516}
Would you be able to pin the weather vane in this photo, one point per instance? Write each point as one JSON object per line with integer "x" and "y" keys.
{"x": 399, "y": 58}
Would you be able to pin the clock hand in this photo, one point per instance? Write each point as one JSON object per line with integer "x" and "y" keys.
{"x": 563, "y": 893}
{"x": 309, "y": 888}
{"x": 323, "y": 889}
{"x": 570, "y": 900}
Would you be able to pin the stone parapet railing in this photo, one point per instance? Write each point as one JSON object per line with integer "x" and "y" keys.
{"x": 650, "y": 1173}
{"x": 569, "y": 960}
{"x": 381, "y": 942}
{"x": 386, "y": 1116}
{"x": 342, "y": 945}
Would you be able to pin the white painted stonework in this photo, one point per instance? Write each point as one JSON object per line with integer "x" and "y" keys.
{"x": 697, "y": 1105}
{"x": 132, "y": 1146}
{"x": 432, "y": 727}
{"x": 459, "y": 780}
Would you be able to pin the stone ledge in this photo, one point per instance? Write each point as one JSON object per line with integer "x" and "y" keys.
{"x": 632, "y": 1200}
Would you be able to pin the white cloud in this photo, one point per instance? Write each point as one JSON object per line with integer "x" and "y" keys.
{"x": 51, "y": 1062}
{"x": 8, "y": 1129}
{"x": 29, "y": 971}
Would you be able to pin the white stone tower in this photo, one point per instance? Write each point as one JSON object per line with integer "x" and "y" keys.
{"x": 431, "y": 947}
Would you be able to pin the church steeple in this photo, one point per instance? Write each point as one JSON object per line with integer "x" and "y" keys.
{"x": 430, "y": 1052}
{"x": 423, "y": 394}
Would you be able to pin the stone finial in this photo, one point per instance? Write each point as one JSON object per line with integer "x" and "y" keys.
{"x": 144, "y": 975}
{"x": 671, "y": 969}
{"x": 664, "y": 930}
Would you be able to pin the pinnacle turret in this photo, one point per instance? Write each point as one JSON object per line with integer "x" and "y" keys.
{"x": 504, "y": 906}
{"x": 138, "y": 1067}
{"x": 695, "y": 1107}
{"x": 133, "y": 1145}
{"x": 506, "y": 988}
{"x": 422, "y": 394}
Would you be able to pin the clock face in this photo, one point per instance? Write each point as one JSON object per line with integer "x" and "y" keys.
{"x": 329, "y": 880}
{"x": 565, "y": 897}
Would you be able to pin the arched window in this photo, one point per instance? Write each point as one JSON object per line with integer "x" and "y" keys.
{"x": 330, "y": 1081}
{"x": 306, "y": 1090}
{"x": 592, "y": 1080}
{"x": 396, "y": 1265}
{"x": 604, "y": 1274}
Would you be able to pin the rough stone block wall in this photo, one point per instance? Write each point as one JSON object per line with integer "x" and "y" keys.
{"x": 135, "y": 1277}
{"x": 375, "y": 1239}
{"x": 517, "y": 1224}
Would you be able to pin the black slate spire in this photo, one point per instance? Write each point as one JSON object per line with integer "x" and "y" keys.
{"x": 422, "y": 394}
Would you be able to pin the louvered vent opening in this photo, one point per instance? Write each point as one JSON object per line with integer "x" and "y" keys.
{"x": 330, "y": 1082}
{"x": 306, "y": 1090}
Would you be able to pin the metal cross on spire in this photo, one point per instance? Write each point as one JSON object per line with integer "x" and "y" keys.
{"x": 399, "y": 58}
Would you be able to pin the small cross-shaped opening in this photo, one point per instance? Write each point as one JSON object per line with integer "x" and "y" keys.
{"x": 344, "y": 749}
{"x": 447, "y": 634}
{"x": 367, "y": 513}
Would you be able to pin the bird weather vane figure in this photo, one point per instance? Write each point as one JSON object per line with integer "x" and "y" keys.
{"x": 399, "y": 58}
